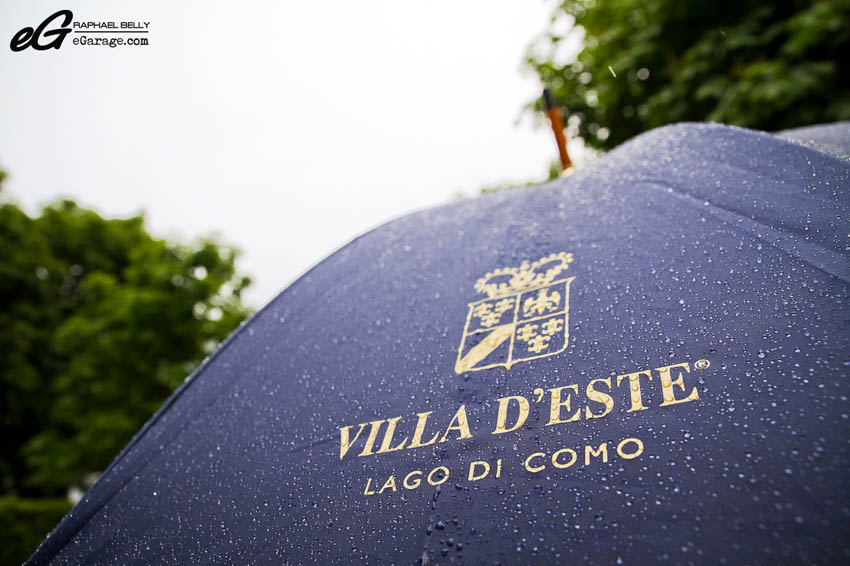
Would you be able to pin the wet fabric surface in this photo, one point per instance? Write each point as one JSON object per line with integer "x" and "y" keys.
{"x": 682, "y": 304}
{"x": 829, "y": 138}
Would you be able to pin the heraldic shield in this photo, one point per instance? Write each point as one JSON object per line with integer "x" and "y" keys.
{"x": 525, "y": 315}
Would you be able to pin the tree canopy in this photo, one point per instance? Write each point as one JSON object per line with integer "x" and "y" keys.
{"x": 99, "y": 322}
{"x": 762, "y": 64}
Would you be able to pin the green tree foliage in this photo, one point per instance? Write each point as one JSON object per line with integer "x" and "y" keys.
{"x": 24, "y": 523}
{"x": 763, "y": 64}
{"x": 99, "y": 322}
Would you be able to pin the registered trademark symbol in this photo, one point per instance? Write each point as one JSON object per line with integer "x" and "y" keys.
{"x": 701, "y": 364}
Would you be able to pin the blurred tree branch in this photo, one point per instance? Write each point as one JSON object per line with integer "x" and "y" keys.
{"x": 760, "y": 64}
{"x": 99, "y": 322}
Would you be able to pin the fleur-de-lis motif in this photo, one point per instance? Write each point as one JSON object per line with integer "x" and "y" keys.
{"x": 485, "y": 313}
{"x": 527, "y": 332}
{"x": 542, "y": 302}
{"x": 536, "y": 342}
{"x": 505, "y": 305}
{"x": 491, "y": 313}
{"x": 552, "y": 326}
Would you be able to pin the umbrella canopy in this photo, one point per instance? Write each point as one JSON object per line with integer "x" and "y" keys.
{"x": 646, "y": 361}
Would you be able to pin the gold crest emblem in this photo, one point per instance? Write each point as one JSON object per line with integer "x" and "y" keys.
{"x": 524, "y": 316}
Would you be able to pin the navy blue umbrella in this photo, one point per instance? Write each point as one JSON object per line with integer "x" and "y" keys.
{"x": 647, "y": 361}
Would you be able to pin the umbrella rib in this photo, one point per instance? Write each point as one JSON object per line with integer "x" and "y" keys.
{"x": 831, "y": 263}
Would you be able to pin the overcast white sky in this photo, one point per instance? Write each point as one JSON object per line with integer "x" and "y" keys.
{"x": 285, "y": 128}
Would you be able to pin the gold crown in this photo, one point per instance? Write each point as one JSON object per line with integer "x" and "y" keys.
{"x": 512, "y": 280}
